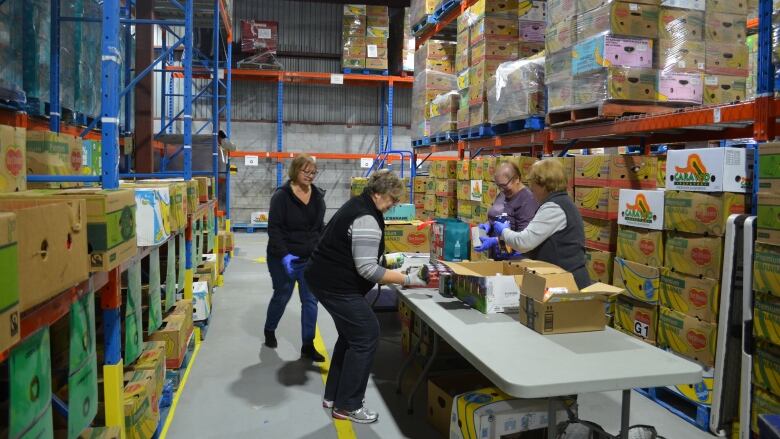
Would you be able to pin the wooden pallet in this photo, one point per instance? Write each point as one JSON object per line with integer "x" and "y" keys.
{"x": 605, "y": 111}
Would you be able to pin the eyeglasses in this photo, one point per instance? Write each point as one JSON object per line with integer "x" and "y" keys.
{"x": 309, "y": 173}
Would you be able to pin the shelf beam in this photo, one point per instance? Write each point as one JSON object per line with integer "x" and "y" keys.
{"x": 445, "y": 20}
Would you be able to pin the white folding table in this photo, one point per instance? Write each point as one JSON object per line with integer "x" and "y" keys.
{"x": 525, "y": 364}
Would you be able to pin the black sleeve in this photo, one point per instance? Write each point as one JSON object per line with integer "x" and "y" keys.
{"x": 323, "y": 209}
{"x": 277, "y": 215}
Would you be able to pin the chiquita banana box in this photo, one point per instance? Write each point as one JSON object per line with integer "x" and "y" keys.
{"x": 766, "y": 318}
{"x": 600, "y": 234}
{"x": 642, "y": 246}
{"x": 641, "y": 282}
{"x": 688, "y": 336}
{"x": 694, "y": 255}
{"x": 766, "y": 269}
{"x": 764, "y": 403}
{"x": 703, "y": 213}
{"x": 597, "y": 202}
{"x": 766, "y": 367}
{"x": 691, "y": 295}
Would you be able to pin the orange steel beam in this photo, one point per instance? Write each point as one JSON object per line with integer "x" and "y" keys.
{"x": 319, "y": 78}
{"x": 441, "y": 147}
{"x": 752, "y": 23}
{"x": 443, "y": 22}
{"x": 317, "y": 155}
{"x": 226, "y": 21}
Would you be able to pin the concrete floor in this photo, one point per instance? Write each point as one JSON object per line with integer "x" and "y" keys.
{"x": 238, "y": 388}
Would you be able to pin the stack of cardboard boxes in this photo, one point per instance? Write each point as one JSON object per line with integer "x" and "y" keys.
{"x": 420, "y": 10}
{"x": 441, "y": 194}
{"x": 365, "y": 30}
{"x": 407, "y": 51}
{"x": 766, "y": 285}
{"x": 517, "y": 91}
{"x": 434, "y": 75}
{"x": 420, "y": 186}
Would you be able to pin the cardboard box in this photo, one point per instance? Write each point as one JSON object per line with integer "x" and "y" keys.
{"x": 766, "y": 368}
{"x": 152, "y": 215}
{"x": 728, "y": 7}
{"x": 599, "y": 265}
{"x": 531, "y": 31}
{"x": 680, "y": 87}
{"x": 702, "y": 213}
{"x": 560, "y": 95}
{"x": 768, "y": 221}
{"x": 477, "y": 171}
{"x": 710, "y": 169}
{"x": 141, "y": 409}
{"x": 406, "y": 237}
{"x": 595, "y": 53}
{"x": 443, "y": 389}
{"x": 694, "y": 296}
{"x": 491, "y": 414}
{"x": 637, "y": 318}
{"x": 175, "y": 335}
{"x": 641, "y": 282}
{"x": 764, "y": 403}
{"x": 597, "y": 202}
{"x": 698, "y": 5}
{"x": 727, "y": 59}
{"x": 463, "y": 191}
{"x": 225, "y": 241}
{"x": 682, "y": 55}
{"x": 494, "y": 28}
{"x": 641, "y": 208}
{"x": 30, "y": 389}
{"x": 615, "y": 171}
{"x": 688, "y": 336}
{"x": 489, "y": 287}
{"x": 52, "y": 237}
{"x": 769, "y": 168}
{"x": 532, "y": 10}
{"x": 642, "y": 246}
{"x": 694, "y": 255}
{"x": 400, "y": 212}
{"x": 661, "y": 175}
{"x": 559, "y": 10}
{"x": 766, "y": 269}
{"x": 49, "y": 153}
{"x": 570, "y": 310}
{"x": 561, "y": 35}
{"x": 766, "y": 318}
{"x": 420, "y": 183}
{"x": 446, "y": 207}
{"x": 13, "y": 164}
{"x": 725, "y": 28}
{"x": 430, "y": 203}
{"x": 444, "y": 169}
{"x": 619, "y": 18}
{"x": 152, "y": 359}
{"x": 497, "y": 50}
{"x": 356, "y": 185}
{"x": 489, "y": 194}
{"x": 677, "y": 24}
{"x": 9, "y": 288}
{"x": 600, "y": 234}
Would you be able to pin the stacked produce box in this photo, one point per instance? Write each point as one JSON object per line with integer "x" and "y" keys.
{"x": 433, "y": 76}
{"x": 421, "y": 9}
{"x": 420, "y": 187}
{"x": 517, "y": 91}
{"x": 444, "y": 191}
{"x": 766, "y": 284}
{"x": 471, "y": 175}
{"x": 365, "y": 30}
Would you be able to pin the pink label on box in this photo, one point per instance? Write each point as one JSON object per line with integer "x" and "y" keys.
{"x": 628, "y": 52}
{"x": 680, "y": 87}
{"x": 532, "y": 31}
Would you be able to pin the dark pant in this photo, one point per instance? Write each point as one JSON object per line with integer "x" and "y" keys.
{"x": 283, "y": 288}
{"x": 353, "y": 355}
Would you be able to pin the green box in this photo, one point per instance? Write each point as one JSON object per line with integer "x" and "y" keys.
{"x": 768, "y": 218}
{"x": 30, "y": 368}
{"x": 9, "y": 287}
{"x": 82, "y": 332}
{"x": 769, "y": 167}
{"x": 766, "y": 269}
{"x": 82, "y": 398}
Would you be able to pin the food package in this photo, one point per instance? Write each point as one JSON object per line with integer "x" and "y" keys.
{"x": 560, "y": 95}
{"x": 560, "y": 35}
{"x": 557, "y": 66}
{"x": 517, "y": 90}
{"x": 720, "y": 89}
{"x": 681, "y": 55}
{"x": 444, "y": 111}
{"x": 420, "y": 9}
{"x": 726, "y": 59}
{"x": 560, "y": 10}
{"x": 680, "y": 24}
{"x": 605, "y": 50}
{"x": 495, "y": 28}
{"x": 621, "y": 19}
{"x": 680, "y": 87}
{"x": 616, "y": 83}
{"x": 725, "y": 28}
{"x": 495, "y": 7}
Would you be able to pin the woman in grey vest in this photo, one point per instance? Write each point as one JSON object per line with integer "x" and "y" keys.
{"x": 556, "y": 233}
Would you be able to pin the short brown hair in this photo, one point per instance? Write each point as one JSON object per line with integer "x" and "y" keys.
{"x": 548, "y": 174}
{"x": 515, "y": 169}
{"x": 385, "y": 182}
{"x": 299, "y": 162}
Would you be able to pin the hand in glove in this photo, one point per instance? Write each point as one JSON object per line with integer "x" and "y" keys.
{"x": 486, "y": 227}
{"x": 486, "y": 244}
{"x": 413, "y": 279}
{"x": 499, "y": 227}
{"x": 287, "y": 261}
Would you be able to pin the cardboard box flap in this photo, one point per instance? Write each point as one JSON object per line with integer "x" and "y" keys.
{"x": 535, "y": 285}
{"x": 603, "y": 289}
{"x": 534, "y": 264}
{"x": 76, "y": 211}
{"x": 484, "y": 269}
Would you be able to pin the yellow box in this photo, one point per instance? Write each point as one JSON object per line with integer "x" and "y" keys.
{"x": 600, "y": 234}
{"x": 489, "y": 168}
{"x": 444, "y": 169}
{"x": 764, "y": 403}
{"x": 641, "y": 282}
{"x": 643, "y": 246}
{"x": 699, "y": 212}
{"x": 494, "y": 7}
{"x": 430, "y": 186}
{"x": 766, "y": 318}
{"x": 50, "y": 153}
{"x": 13, "y": 164}
{"x": 446, "y": 207}
{"x": 766, "y": 269}
{"x": 489, "y": 194}
{"x": 446, "y": 187}
{"x": 465, "y": 210}
{"x": 694, "y": 296}
{"x": 688, "y": 336}
{"x": 694, "y": 255}
{"x": 463, "y": 170}
{"x": 766, "y": 368}
{"x": 430, "y": 202}
{"x": 478, "y": 170}
{"x": 495, "y": 28}
{"x": 637, "y": 318}
{"x": 420, "y": 184}
{"x": 597, "y": 202}
{"x": 406, "y": 237}
{"x": 721, "y": 89}
{"x": 600, "y": 265}
{"x": 726, "y": 59}
{"x": 629, "y": 172}
{"x": 464, "y": 191}
{"x": 661, "y": 176}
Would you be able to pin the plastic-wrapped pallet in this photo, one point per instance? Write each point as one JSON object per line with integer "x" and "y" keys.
{"x": 615, "y": 83}
{"x": 407, "y": 53}
{"x": 36, "y": 25}
{"x": 443, "y": 110}
{"x": 11, "y": 82}
{"x": 421, "y": 9}
{"x": 517, "y": 90}
{"x": 434, "y": 75}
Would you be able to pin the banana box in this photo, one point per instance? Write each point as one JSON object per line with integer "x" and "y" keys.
{"x": 527, "y": 50}
{"x": 494, "y": 28}
{"x": 465, "y": 210}
{"x": 560, "y": 10}
{"x": 406, "y": 237}
{"x": 641, "y": 282}
{"x": 140, "y": 407}
{"x": 600, "y": 234}
{"x": 725, "y": 28}
{"x": 597, "y": 202}
{"x": 561, "y": 35}
{"x": 694, "y": 255}
{"x": 619, "y": 18}
{"x": 682, "y": 55}
{"x": 641, "y": 208}
{"x": 420, "y": 184}
{"x": 50, "y": 153}
{"x": 9, "y": 272}
{"x": 766, "y": 368}
{"x": 680, "y": 24}
{"x": 494, "y": 7}
{"x": 532, "y": 10}
{"x": 702, "y": 213}
{"x": 764, "y": 403}
{"x": 462, "y": 57}
{"x": 463, "y": 170}
{"x": 29, "y": 391}
{"x": 478, "y": 170}
{"x": 568, "y": 168}
{"x": 766, "y": 269}
{"x": 494, "y": 50}
{"x": 478, "y": 114}
{"x": 701, "y": 392}
{"x": 446, "y": 187}
{"x": 464, "y": 118}
{"x": 691, "y": 295}
{"x": 479, "y": 213}
{"x": 726, "y": 59}
{"x": 444, "y": 169}
{"x": 615, "y": 171}
{"x": 599, "y": 264}
{"x": 642, "y": 246}
{"x": 560, "y": 96}
{"x": 661, "y": 176}
{"x": 637, "y": 318}
{"x": 769, "y": 168}
{"x": 419, "y": 201}
{"x": 489, "y": 194}
{"x": 727, "y": 6}
{"x": 710, "y": 170}
{"x": 475, "y": 193}
{"x": 464, "y": 190}
{"x": 355, "y": 10}
{"x": 698, "y": 5}
{"x": 768, "y": 218}
{"x": 430, "y": 186}
{"x": 13, "y": 164}
{"x": 531, "y": 31}
{"x": 594, "y": 53}
{"x": 766, "y": 318}
{"x": 446, "y": 207}
{"x": 721, "y": 89}
{"x": 688, "y": 336}
{"x": 430, "y": 203}
{"x": 683, "y": 87}
{"x": 489, "y": 168}
{"x": 557, "y": 67}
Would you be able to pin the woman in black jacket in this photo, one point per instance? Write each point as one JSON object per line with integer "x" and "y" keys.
{"x": 295, "y": 223}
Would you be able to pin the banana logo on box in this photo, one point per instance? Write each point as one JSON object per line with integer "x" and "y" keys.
{"x": 693, "y": 174}
{"x": 639, "y": 212}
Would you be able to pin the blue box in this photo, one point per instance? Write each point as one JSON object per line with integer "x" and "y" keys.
{"x": 604, "y": 50}
{"x": 401, "y": 212}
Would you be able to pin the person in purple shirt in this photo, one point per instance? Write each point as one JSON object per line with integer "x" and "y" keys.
{"x": 515, "y": 204}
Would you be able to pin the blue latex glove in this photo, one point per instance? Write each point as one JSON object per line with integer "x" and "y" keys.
{"x": 499, "y": 227}
{"x": 287, "y": 261}
{"x": 486, "y": 244}
{"x": 486, "y": 227}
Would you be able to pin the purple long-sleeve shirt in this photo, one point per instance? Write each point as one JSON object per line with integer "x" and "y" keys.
{"x": 520, "y": 208}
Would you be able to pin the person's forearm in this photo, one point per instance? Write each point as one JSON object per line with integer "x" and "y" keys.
{"x": 393, "y": 277}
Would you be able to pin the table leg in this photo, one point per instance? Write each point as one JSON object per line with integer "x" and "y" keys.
{"x": 424, "y": 374}
{"x": 412, "y": 354}
{"x": 625, "y": 414}
{"x": 551, "y": 421}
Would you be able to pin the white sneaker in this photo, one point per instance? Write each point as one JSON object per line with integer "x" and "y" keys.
{"x": 361, "y": 416}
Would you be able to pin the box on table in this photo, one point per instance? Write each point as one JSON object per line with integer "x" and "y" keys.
{"x": 141, "y": 411}
{"x": 9, "y": 272}
{"x": 769, "y": 168}
{"x": 726, "y": 59}
{"x": 680, "y": 87}
{"x": 551, "y": 303}
{"x": 702, "y": 213}
{"x": 622, "y": 171}
{"x": 597, "y": 202}
{"x": 491, "y": 410}
{"x": 600, "y": 265}
{"x": 52, "y": 243}
{"x": 766, "y": 269}
{"x": 688, "y": 336}
{"x": 616, "y": 83}
{"x": 691, "y": 295}
{"x": 642, "y": 246}
{"x": 594, "y": 53}
{"x": 406, "y": 237}
{"x": 641, "y": 208}
{"x": 600, "y": 234}
{"x": 489, "y": 287}
{"x": 641, "y": 282}
{"x": 443, "y": 389}
{"x": 637, "y": 318}
{"x": 13, "y": 163}
{"x": 619, "y": 18}
{"x": 710, "y": 169}
{"x": 680, "y": 24}
{"x": 693, "y": 254}
{"x": 768, "y": 221}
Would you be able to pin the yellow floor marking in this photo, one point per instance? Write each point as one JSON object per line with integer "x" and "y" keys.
{"x": 260, "y": 260}
{"x": 183, "y": 383}
{"x": 343, "y": 428}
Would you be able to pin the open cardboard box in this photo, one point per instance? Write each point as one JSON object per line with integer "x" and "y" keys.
{"x": 488, "y": 286}
{"x": 571, "y": 310}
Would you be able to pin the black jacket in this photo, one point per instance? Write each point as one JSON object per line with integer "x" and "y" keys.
{"x": 294, "y": 227}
